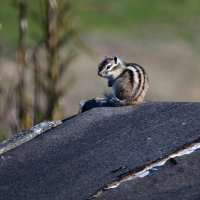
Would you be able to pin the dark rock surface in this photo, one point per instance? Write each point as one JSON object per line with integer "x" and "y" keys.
{"x": 78, "y": 157}
{"x": 179, "y": 180}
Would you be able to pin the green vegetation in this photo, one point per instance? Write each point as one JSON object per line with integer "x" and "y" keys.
{"x": 160, "y": 17}
{"x": 95, "y": 13}
{"x": 9, "y": 33}
{"x": 171, "y": 17}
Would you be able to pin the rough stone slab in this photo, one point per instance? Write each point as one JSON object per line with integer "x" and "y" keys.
{"x": 27, "y": 135}
{"x": 179, "y": 179}
{"x": 78, "y": 157}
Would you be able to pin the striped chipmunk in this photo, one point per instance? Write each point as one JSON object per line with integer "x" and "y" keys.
{"x": 129, "y": 81}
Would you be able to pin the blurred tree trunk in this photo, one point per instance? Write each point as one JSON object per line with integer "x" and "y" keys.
{"x": 51, "y": 45}
{"x": 37, "y": 88}
{"x": 22, "y": 101}
{"x": 58, "y": 32}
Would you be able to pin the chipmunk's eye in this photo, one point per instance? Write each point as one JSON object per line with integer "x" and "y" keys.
{"x": 108, "y": 66}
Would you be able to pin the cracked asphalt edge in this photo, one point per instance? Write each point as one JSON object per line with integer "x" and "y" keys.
{"x": 144, "y": 170}
{"x": 27, "y": 135}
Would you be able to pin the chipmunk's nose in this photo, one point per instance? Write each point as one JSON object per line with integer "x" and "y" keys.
{"x": 99, "y": 73}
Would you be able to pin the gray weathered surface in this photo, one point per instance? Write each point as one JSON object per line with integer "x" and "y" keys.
{"x": 27, "y": 135}
{"x": 76, "y": 158}
{"x": 174, "y": 181}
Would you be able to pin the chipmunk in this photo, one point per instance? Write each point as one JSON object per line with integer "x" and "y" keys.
{"x": 129, "y": 81}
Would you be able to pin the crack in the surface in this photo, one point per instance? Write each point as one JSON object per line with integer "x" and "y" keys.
{"x": 144, "y": 170}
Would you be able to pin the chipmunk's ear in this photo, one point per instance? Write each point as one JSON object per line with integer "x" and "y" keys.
{"x": 115, "y": 59}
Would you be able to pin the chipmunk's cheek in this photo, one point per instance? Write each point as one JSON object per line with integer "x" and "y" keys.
{"x": 108, "y": 74}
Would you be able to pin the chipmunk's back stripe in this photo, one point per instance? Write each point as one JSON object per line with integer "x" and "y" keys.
{"x": 141, "y": 83}
{"x": 145, "y": 79}
{"x": 132, "y": 76}
{"x": 135, "y": 75}
{"x": 144, "y": 85}
{"x": 137, "y": 91}
{"x": 140, "y": 74}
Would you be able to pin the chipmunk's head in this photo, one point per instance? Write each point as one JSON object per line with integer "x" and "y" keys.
{"x": 111, "y": 67}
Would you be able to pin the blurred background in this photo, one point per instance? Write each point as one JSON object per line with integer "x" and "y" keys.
{"x": 50, "y": 50}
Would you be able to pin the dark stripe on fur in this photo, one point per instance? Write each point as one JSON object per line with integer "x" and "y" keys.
{"x": 131, "y": 77}
{"x": 139, "y": 73}
{"x": 143, "y": 83}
